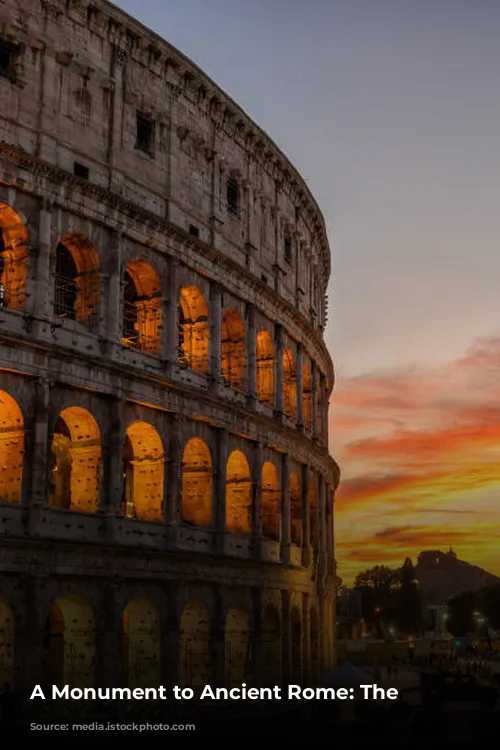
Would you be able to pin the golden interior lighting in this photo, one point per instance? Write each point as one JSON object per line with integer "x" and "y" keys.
{"x": 233, "y": 352}
{"x": 295, "y": 510}
{"x": 289, "y": 384}
{"x": 75, "y": 461}
{"x": 195, "y": 658}
{"x": 265, "y": 367}
{"x": 271, "y": 501}
{"x": 142, "y": 313}
{"x": 11, "y": 450}
{"x": 143, "y": 469}
{"x": 196, "y": 505}
{"x": 141, "y": 644}
{"x": 238, "y": 494}
{"x": 13, "y": 258}
{"x": 307, "y": 396}
{"x": 193, "y": 330}
{"x": 77, "y": 283}
{"x": 69, "y": 643}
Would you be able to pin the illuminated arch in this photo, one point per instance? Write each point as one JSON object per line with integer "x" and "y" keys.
{"x": 143, "y": 470}
{"x": 233, "y": 353}
{"x": 77, "y": 283}
{"x": 195, "y": 666}
{"x": 237, "y": 631}
{"x": 193, "y": 329}
{"x": 307, "y": 396}
{"x": 75, "y": 461}
{"x": 13, "y": 258}
{"x": 289, "y": 384}
{"x": 295, "y": 510}
{"x": 319, "y": 409}
{"x": 315, "y": 646}
{"x": 69, "y": 643}
{"x": 11, "y": 450}
{"x": 271, "y": 646}
{"x": 7, "y": 638}
{"x": 142, "y": 313}
{"x": 141, "y": 644}
{"x": 197, "y": 483}
{"x": 271, "y": 502}
{"x": 265, "y": 367}
{"x": 238, "y": 494}
{"x": 296, "y": 646}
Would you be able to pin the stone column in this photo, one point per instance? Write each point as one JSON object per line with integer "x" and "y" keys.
{"x": 114, "y": 289}
{"x": 40, "y": 469}
{"x": 215, "y": 334}
{"x": 314, "y": 400}
{"x": 43, "y": 280}
{"x": 219, "y": 499}
{"x": 324, "y": 412}
{"x": 258, "y": 459}
{"x": 287, "y": 637}
{"x": 279, "y": 346}
{"x": 172, "y": 507}
{"x": 306, "y": 517}
{"x": 286, "y": 521}
{"x": 256, "y": 638}
{"x": 306, "y": 635}
{"x": 322, "y": 516}
{"x": 218, "y": 641}
{"x": 329, "y": 530}
{"x": 299, "y": 375}
{"x": 171, "y": 321}
{"x": 251, "y": 347}
{"x": 109, "y": 642}
{"x": 170, "y": 641}
{"x": 112, "y": 501}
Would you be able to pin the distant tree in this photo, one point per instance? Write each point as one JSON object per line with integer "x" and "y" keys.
{"x": 377, "y": 586}
{"x": 489, "y": 605}
{"x": 461, "y": 614}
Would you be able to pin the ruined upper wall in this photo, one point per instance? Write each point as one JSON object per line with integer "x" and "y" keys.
{"x": 92, "y": 89}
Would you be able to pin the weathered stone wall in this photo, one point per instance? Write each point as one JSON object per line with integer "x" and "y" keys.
{"x": 136, "y": 298}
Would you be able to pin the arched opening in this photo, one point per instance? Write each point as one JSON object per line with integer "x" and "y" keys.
{"x": 296, "y": 644}
{"x": 197, "y": 483}
{"x": 75, "y": 461}
{"x": 315, "y": 650}
{"x": 295, "y": 510}
{"x": 77, "y": 283}
{"x": 238, "y": 494}
{"x": 143, "y": 472}
{"x": 193, "y": 330}
{"x": 289, "y": 384}
{"x": 142, "y": 314}
{"x": 141, "y": 644}
{"x": 265, "y": 367}
{"x": 13, "y": 258}
{"x": 69, "y": 643}
{"x": 271, "y": 646}
{"x": 271, "y": 502}
{"x": 238, "y": 647}
{"x": 312, "y": 492}
{"x": 233, "y": 349}
{"x": 195, "y": 666}
{"x": 11, "y": 450}
{"x": 307, "y": 396}
{"x": 7, "y": 635}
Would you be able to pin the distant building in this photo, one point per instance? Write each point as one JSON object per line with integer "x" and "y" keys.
{"x": 441, "y": 576}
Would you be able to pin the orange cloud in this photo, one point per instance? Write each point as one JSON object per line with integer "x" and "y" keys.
{"x": 413, "y": 444}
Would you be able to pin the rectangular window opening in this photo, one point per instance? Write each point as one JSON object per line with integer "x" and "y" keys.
{"x": 79, "y": 170}
{"x": 287, "y": 249}
{"x": 233, "y": 196}
{"x": 145, "y": 134}
{"x": 7, "y": 53}
{"x": 194, "y": 231}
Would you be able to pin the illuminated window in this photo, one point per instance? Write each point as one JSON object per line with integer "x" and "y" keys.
{"x": 271, "y": 502}
{"x": 11, "y": 450}
{"x": 13, "y": 258}
{"x": 77, "y": 283}
{"x": 289, "y": 384}
{"x": 143, "y": 473}
{"x": 193, "y": 330}
{"x": 265, "y": 367}
{"x": 233, "y": 349}
{"x": 307, "y": 396}
{"x": 238, "y": 494}
{"x": 197, "y": 483}
{"x": 295, "y": 510}
{"x": 142, "y": 313}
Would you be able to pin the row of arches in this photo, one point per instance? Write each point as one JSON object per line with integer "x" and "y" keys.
{"x": 71, "y": 643}
{"x": 76, "y": 468}
{"x": 77, "y": 295}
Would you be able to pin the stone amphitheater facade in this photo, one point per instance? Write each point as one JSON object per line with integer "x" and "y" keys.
{"x": 166, "y": 490}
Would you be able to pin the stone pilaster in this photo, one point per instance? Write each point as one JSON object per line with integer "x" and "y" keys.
{"x": 306, "y": 517}
{"x": 286, "y": 521}
{"x": 287, "y": 637}
{"x": 279, "y": 345}
{"x": 219, "y": 499}
{"x": 215, "y": 334}
{"x": 172, "y": 508}
{"x": 299, "y": 379}
{"x": 40, "y": 469}
{"x": 251, "y": 347}
{"x": 171, "y": 320}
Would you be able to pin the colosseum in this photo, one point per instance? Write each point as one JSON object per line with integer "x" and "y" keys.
{"x": 166, "y": 490}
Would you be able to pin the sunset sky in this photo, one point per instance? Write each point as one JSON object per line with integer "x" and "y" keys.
{"x": 391, "y": 111}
